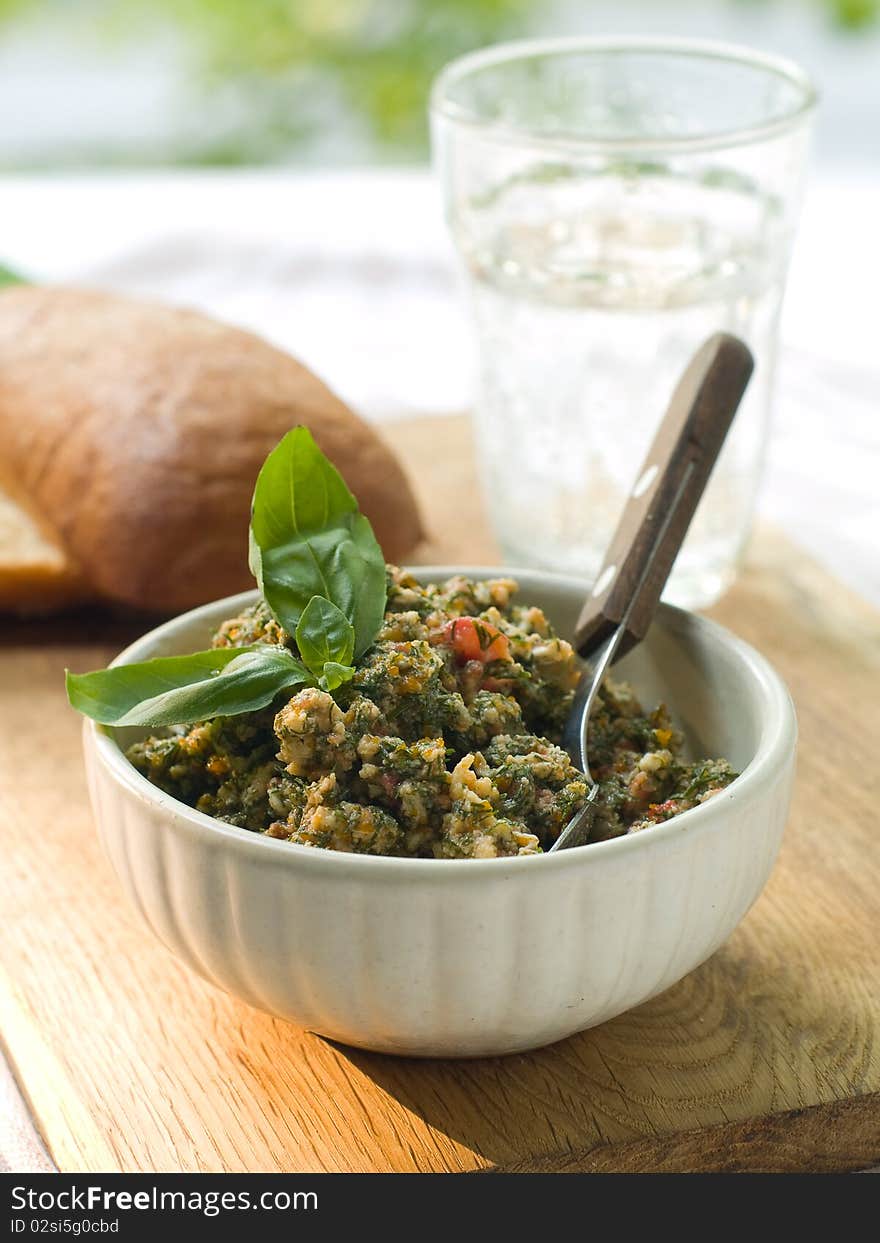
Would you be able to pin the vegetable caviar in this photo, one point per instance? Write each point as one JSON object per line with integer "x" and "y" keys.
{"x": 443, "y": 742}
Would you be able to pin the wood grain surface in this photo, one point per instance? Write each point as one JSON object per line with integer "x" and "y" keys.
{"x": 765, "y": 1057}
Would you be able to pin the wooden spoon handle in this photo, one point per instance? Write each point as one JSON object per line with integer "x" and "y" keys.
{"x": 666, "y": 493}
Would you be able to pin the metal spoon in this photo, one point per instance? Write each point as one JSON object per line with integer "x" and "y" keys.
{"x": 651, "y": 530}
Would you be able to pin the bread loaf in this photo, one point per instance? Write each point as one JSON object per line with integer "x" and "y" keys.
{"x": 132, "y": 434}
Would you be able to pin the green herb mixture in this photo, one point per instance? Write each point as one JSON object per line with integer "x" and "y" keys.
{"x": 443, "y": 743}
{"x": 354, "y": 709}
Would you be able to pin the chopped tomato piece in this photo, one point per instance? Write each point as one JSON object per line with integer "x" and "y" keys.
{"x": 473, "y": 639}
{"x": 389, "y": 783}
{"x": 662, "y": 811}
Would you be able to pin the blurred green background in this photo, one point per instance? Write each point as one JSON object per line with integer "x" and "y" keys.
{"x": 115, "y": 83}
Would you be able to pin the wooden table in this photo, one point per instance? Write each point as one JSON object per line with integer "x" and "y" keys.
{"x": 766, "y": 1057}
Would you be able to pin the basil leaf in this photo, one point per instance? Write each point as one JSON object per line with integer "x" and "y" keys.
{"x": 324, "y": 634}
{"x": 309, "y": 539}
{"x": 178, "y": 690}
{"x": 325, "y": 639}
{"x": 334, "y": 675}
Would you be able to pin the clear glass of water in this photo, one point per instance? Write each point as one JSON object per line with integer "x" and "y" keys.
{"x": 615, "y": 202}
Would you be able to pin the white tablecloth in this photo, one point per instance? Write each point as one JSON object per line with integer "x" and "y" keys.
{"x": 354, "y": 273}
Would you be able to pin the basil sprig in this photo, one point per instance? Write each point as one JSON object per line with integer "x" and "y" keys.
{"x": 309, "y": 539}
{"x": 322, "y": 574}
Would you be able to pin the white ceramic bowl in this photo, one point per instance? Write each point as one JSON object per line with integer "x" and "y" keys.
{"x": 460, "y": 958}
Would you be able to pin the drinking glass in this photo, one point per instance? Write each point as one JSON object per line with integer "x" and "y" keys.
{"x": 614, "y": 202}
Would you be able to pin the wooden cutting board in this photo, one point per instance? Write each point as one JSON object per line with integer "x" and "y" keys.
{"x": 767, "y": 1057}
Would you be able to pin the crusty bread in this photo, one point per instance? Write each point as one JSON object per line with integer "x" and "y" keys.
{"x": 133, "y": 434}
